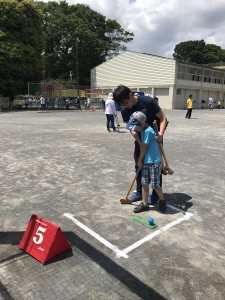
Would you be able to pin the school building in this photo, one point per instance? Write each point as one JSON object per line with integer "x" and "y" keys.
{"x": 171, "y": 81}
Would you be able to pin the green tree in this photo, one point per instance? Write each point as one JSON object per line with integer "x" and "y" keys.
{"x": 222, "y": 55}
{"x": 198, "y": 52}
{"x": 21, "y": 44}
{"x": 213, "y": 54}
{"x": 77, "y": 39}
{"x": 190, "y": 51}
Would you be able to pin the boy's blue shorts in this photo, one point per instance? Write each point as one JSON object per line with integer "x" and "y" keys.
{"x": 151, "y": 174}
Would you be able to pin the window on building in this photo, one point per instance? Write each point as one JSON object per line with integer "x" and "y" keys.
{"x": 206, "y": 79}
{"x": 199, "y": 74}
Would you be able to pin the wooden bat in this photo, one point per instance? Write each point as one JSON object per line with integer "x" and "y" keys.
{"x": 164, "y": 171}
{"x": 125, "y": 200}
{"x": 166, "y": 168}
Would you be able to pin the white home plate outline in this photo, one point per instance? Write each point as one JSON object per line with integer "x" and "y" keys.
{"x": 124, "y": 252}
{"x": 118, "y": 252}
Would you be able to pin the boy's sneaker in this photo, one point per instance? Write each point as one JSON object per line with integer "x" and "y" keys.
{"x": 152, "y": 199}
{"x": 162, "y": 206}
{"x": 108, "y": 130}
{"x": 141, "y": 207}
{"x": 136, "y": 196}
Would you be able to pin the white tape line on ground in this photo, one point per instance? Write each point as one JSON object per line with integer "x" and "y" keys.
{"x": 114, "y": 248}
{"x": 157, "y": 232}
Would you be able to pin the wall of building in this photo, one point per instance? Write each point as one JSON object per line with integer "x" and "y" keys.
{"x": 164, "y": 97}
{"x": 200, "y": 91}
{"x": 199, "y": 81}
{"x": 136, "y": 70}
{"x": 172, "y": 82}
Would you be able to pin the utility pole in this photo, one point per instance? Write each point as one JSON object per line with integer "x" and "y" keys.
{"x": 77, "y": 67}
{"x": 28, "y": 90}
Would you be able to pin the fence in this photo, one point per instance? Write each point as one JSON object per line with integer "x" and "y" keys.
{"x": 69, "y": 103}
{"x": 4, "y": 103}
{"x": 49, "y": 90}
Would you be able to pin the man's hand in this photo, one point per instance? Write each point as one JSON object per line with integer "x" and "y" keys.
{"x": 159, "y": 137}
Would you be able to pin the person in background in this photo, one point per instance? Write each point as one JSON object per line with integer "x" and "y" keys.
{"x": 30, "y": 102}
{"x": 219, "y": 104}
{"x": 67, "y": 103}
{"x": 89, "y": 103}
{"x": 110, "y": 112}
{"x": 42, "y": 102}
{"x": 85, "y": 104}
{"x": 103, "y": 104}
{"x": 211, "y": 103}
{"x": 189, "y": 107}
{"x": 78, "y": 104}
{"x": 26, "y": 103}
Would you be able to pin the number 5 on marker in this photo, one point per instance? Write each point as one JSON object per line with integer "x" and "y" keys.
{"x": 43, "y": 239}
{"x": 38, "y": 233}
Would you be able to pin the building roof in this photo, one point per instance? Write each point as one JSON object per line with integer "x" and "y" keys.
{"x": 136, "y": 52}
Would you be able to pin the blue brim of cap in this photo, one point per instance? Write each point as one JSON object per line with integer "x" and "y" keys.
{"x": 132, "y": 127}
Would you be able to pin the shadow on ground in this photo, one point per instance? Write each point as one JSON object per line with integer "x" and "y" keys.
{"x": 133, "y": 284}
{"x": 179, "y": 200}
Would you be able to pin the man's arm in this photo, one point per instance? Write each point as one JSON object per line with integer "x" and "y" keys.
{"x": 136, "y": 136}
{"x": 162, "y": 121}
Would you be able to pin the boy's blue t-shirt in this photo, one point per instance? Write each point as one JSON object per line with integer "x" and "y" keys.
{"x": 152, "y": 154}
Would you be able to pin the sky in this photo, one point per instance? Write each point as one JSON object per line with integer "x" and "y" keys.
{"x": 159, "y": 25}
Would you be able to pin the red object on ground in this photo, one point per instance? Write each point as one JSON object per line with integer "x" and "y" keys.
{"x": 43, "y": 240}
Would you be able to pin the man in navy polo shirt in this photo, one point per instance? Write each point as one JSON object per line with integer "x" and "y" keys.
{"x": 131, "y": 103}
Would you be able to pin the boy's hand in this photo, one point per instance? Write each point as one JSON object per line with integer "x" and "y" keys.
{"x": 140, "y": 164}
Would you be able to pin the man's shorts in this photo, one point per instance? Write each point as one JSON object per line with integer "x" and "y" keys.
{"x": 151, "y": 174}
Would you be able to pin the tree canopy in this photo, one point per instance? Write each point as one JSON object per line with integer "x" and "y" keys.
{"x": 48, "y": 40}
{"x": 21, "y": 44}
{"x": 78, "y": 37}
{"x": 198, "y": 52}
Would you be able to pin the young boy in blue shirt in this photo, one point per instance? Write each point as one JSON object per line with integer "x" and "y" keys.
{"x": 149, "y": 161}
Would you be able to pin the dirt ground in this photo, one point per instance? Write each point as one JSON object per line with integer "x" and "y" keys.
{"x": 65, "y": 167}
